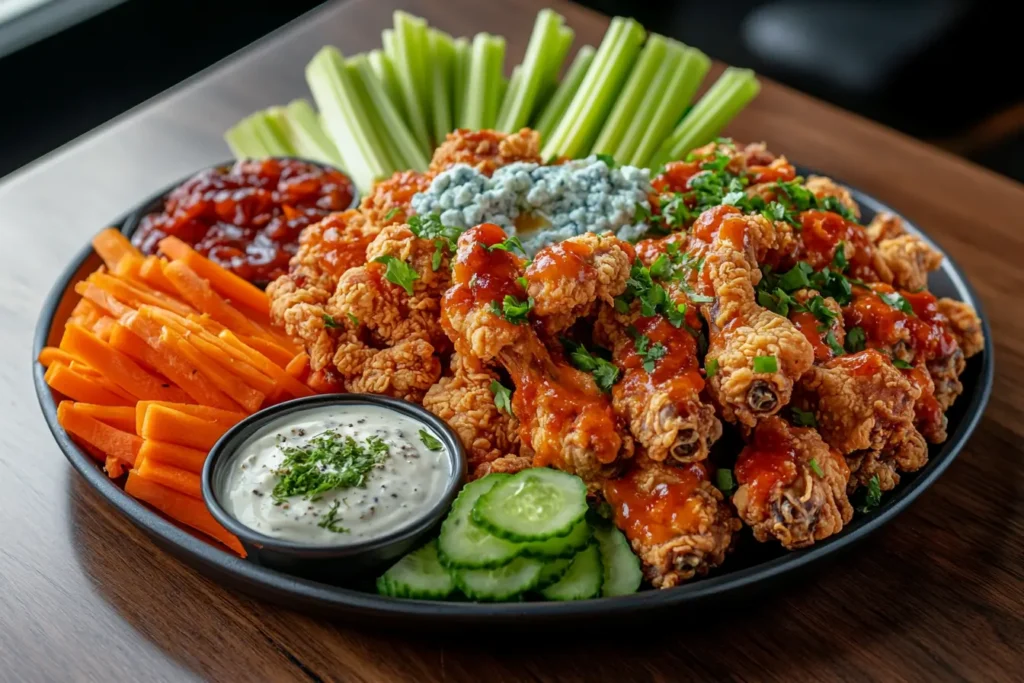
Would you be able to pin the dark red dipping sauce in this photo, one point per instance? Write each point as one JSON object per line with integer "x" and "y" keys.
{"x": 247, "y": 217}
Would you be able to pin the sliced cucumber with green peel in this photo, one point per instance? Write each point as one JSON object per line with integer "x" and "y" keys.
{"x": 560, "y": 546}
{"x": 622, "y": 573}
{"x": 417, "y": 575}
{"x": 583, "y": 579}
{"x": 465, "y": 545}
{"x": 552, "y": 572}
{"x": 503, "y": 583}
{"x": 533, "y": 505}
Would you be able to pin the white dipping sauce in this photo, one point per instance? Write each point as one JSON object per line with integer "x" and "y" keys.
{"x": 406, "y": 482}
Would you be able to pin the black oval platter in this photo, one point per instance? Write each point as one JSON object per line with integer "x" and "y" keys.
{"x": 758, "y": 567}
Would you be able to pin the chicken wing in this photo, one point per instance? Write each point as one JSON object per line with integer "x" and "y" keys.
{"x": 390, "y": 200}
{"x": 864, "y": 408}
{"x": 820, "y": 320}
{"x": 963, "y": 323}
{"x": 564, "y": 418}
{"x": 677, "y": 522}
{"x": 910, "y": 259}
{"x": 486, "y": 150}
{"x": 792, "y": 486}
{"x": 755, "y": 355}
{"x": 822, "y": 187}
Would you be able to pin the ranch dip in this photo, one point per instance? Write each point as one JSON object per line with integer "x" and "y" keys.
{"x": 336, "y": 475}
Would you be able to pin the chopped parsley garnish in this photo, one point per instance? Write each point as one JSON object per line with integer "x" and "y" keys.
{"x": 608, "y": 160}
{"x": 352, "y": 318}
{"x": 330, "y": 520}
{"x": 711, "y": 367}
{"x": 430, "y": 441}
{"x": 435, "y": 258}
{"x": 330, "y": 323}
{"x": 896, "y": 300}
{"x": 604, "y": 371}
{"x": 662, "y": 267}
{"x": 502, "y": 397}
{"x": 835, "y": 206}
{"x": 872, "y": 496}
{"x": 817, "y": 468}
{"x": 523, "y": 282}
{"x": 803, "y": 418}
{"x": 328, "y": 461}
{"x": 839, "y": 262}
{"x": 725, "y": 142}
{"x": 724, "y": 480}
{"x": 512, "y": 309}
{"x": 855, "y": 339}
{"x": 649, "y": 353}
{"x": 901, "y": 364}
{"x": 507, "y": 244}
{"x": 430, "y": 227}
{"x": 398, "y": 272}
{"x": 833, "y": 343}
{"x": 828, "y": 282}
{"x": 765, "y": 364}
{"x": 392, "y": 213}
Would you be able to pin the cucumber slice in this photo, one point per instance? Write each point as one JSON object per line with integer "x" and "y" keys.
{"x": 552, "y": 572}
{"x": 503, "y": 583}
{"x": 465, "y": 545}
{"x": 622, "y": 574}
{"x": 417, "y": 575}
{"x": 533, "y": 505}
{"x": 560, "y": 546}
{"x": 583, "y": 579}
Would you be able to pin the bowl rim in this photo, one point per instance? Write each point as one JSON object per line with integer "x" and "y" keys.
{"x": 270, "y": 584}
{"x": 227, "y": 446}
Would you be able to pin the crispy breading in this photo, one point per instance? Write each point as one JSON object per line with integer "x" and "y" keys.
{"x": 964, "y": 325}
{"x": 390, "y": 200}
{"x": 799, "y": 499}
{"x": 885, "y": 226}
{"x": 823, "y": 187}
{"x": 406, "y": 370}
{"x": 486, "y": 150}
{"x": 910, "y": 259}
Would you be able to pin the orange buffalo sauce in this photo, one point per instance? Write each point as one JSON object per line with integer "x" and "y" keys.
{"x": 768, "y": 461}
{"x": 666, "y": 509}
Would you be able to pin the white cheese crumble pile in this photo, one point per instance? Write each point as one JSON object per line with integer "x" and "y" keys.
{"x": 580, "y": 196}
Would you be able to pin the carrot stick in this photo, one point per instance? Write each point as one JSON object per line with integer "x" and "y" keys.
{"x": 164, "y": 424}
{"x": 225, "y": 282}
{"x": 201, "y": 295}
{"x": 64, "y": 380}
{"x": 114, "y": 442}
{"x": 116, "y": 366}
{"x": 182, "y": 508}
{"x": 298, "y": 367}
{"x": 102, "y": 299}
{"x": 102, "y": 382}
{"x": 188, "y": 459}
{"x": 128, "y": 267}
{"x": 101, "y": 328}
{"x": 97, "y": 454}
{"x": 171, "y": 363}
{"x": 170, "y": 476}
{"x": 225, "y": 418}
{"x": 134, "y": 296}
{"x": 51, "y": 354}
{"x": 111, "y": 245}
{"x": 275, "y": 352}
{"x": 118, "y": 417}
{"x": 152, "y": 273}
{"x": 289, "y": 383}
{"x": 240, "y": 393}
{"x": 113, "y": 466}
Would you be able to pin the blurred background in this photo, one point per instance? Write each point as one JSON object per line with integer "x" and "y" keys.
{"x": 944, "y": 71}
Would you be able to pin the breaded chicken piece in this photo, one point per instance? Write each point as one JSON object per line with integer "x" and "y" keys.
{"x": 792, "y": 486}
{"x": 677, "y": 522}
{"x": 745, "y": 388}
{"x": 885, "y": 226}
{"x": 464, "y": 400}
{"x": 823, "y": 187}
{"x": 486, "y": 150}
{"x": 300, "y": 311}
{"x": 821, "y": 322}
{"x": 864, "y": 408}
{"x": 964, "y": 325}
{"x": 390, "y": 201}
{"x": 568, "y": 279}
{"x": 910, "y": 259}
{"x": 406, "y": 370}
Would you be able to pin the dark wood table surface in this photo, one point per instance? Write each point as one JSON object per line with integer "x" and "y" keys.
{"x": 936, "y": 595}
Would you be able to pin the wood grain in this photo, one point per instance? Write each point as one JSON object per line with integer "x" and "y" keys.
{"x": 937, "y": 595}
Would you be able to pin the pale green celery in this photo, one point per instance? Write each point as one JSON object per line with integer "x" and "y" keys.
{"x": 384, "y": 69}
{"x": 509, "y": 94}
{"x": 540, "y": 53}
{"x": 346, "y": 121}
{"x": 475, "y": 93}
{"x": 494, "y": 79}
{"x": 657, "y": 100}
{"x": 410, "y": 65}
{"x": 388, "y": 150}
{"x": 276, "y": 127}
{"x": 442, "y": 53}
{"x": 673, "y": 98}
{"x": 578, "y": 128}
{"x": 733, "y": 90}
{"x": 404, "y": 150}
{"x": 243, "y": 141}
{"x": 565, "y": 36}
{"x": 307, "y": 136}
{"x": 460, "y": 78}
{"x": 546, "y": 120}
{"x": 635, "y": 94}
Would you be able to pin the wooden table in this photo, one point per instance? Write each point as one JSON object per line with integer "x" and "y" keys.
{"x": 939, "y": 594}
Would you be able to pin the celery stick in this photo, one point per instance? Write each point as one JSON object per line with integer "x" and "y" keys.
{"x": 346, "y": 122}
{"x": 406, "y": 153}
{"x": 673, "y": 99}
{"x": 582, "y": 121}
{"x": 307, "y": 136}
{"x": 634, "y": 95}
{"x": 474, "y": 112}
{"x": 244, "y": 142}
{"x": 273, "y": 125}
{"x": 565, "y": 36}
{"x": 546, "y": 119}
{"x": 410, "y": 65}
{"x": 540, "y": 52}
{"x": 442, "y": 54}
{"x": 391, "y": 155}
{"x": 494, "y": 80}
{"x": 733, "y": 90}
{"x": 384, "y": 69}
{"x": 657, "y": 100}
{"x": 460, "y": 77}
{"x": 509, "y": 94}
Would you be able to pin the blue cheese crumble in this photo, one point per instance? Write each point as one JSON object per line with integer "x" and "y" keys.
{"x": 561, "y": 201}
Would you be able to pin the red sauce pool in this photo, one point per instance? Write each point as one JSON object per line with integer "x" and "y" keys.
{"x": 248, "y": 217}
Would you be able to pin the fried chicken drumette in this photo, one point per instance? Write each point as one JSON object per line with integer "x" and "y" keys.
{"x": 792, "y": 486}
{"x": 486, "y": 150}
{"x": 864, "y": 408}
{"x": 564, "y": 418}
{"x": 675, "y": 519}
{"x": 755, "y": 354}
